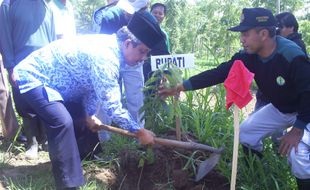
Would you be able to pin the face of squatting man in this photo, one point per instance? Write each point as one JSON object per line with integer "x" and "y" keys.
{"x": 134, "y": 53}
{"x": 251, "y": 41}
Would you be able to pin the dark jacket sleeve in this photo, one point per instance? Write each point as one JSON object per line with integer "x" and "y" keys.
{"x": 301, "y": 79}
{"x": 112, "y": 20}
{"x": 301, "y": 44}
{"x": 211, "y": 77}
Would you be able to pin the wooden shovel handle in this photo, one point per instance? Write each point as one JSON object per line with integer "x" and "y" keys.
{"x": 165, "y": 142}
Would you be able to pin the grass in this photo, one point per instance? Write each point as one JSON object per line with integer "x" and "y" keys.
{"x": 36, "y": 180}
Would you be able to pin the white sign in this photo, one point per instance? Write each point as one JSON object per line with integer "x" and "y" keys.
{"x": 179, "y": 60}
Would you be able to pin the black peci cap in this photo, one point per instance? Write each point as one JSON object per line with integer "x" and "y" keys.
{"x": 145, "y": 27}
{"x": 254, "y": 17}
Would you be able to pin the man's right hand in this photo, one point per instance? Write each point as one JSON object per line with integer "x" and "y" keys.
{"x": 93, "y": 123}
{"x": 145, "y": 136}
{"x": 165, "y": 92}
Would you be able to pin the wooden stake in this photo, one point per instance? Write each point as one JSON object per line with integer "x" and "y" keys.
{"x": 177, "y": 120}
{"x": 235, "y": 149}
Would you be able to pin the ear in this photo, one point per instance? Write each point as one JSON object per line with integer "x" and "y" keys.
{"x": 264, "y": 34}
{"x": 127, "y": 43}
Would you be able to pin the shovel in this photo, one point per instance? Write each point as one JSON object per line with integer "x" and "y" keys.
{"x": 204, "y": 168}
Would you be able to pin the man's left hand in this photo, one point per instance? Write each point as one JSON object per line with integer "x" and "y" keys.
{"x": 290, "y": 140}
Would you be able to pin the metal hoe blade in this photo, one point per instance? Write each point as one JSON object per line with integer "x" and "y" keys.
{"x": 206, "y": 166}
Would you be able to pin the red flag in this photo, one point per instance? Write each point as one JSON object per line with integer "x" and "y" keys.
{"x": 237, "y": 85}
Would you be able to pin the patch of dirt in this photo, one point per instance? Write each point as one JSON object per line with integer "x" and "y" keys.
{"x": 21, "y": 160}
{"x": 166, "y": 171}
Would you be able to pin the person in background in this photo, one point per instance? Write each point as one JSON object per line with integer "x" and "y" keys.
{"x": 158, "y": 10}
{"x": 288, "y": 28}
{"x": 85, "y": 68}
{"x": 112, "y": 17}
{"x": 30, "y": 27}
{"x": 7, "y": 115}
{"x": 98, "y": 13}
{"x": 63, "y": 18}
{"x": 281, "y": 70}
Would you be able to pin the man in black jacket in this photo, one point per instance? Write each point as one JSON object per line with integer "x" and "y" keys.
{"x": 288, "y": 28}
{"x": 281, "y": 71}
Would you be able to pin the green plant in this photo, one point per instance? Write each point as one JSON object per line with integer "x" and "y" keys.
{"x": 146, "y": 156}
{"x": 159, "y": 115}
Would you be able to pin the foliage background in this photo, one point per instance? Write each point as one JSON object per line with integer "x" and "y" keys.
{"x": 200, "y": 26}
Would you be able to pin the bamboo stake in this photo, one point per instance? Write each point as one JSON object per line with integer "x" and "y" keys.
{"x": 177, "y": 120}
{"x": 235, "y": 149}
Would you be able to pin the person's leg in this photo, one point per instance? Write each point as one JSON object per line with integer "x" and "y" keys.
{"x": 262, "y": 124}
{"x": 31, "y": 131}
{"x": 262, "y": 101}
{"x": 87, "y": 141}
{"x": 303, "y": 184}
{"x": 300, "y": 161}
{"x": 42, "y": 138}
{"x": 19, "y": 108}
{"x": 134, "y": 82}
{"x": 62, "y": 145}
{"x": 30, "y": 124}
{"x": 7, "y": 115}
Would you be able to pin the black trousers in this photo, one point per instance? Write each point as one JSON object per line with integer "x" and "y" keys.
{"x": 63, "y": 138}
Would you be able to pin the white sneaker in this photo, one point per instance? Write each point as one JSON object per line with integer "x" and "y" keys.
{"x": 32, "y": 152}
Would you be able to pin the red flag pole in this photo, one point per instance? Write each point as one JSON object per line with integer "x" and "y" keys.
{"x": 235, "y": 149}
{"x": 237, "y": 86}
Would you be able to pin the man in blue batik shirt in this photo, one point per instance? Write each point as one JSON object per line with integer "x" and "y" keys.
{"x": 85, "y": 68}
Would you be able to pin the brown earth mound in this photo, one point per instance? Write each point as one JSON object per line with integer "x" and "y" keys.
{"x": 167, "y": 170}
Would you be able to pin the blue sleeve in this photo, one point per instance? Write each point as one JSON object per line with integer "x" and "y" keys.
{"x": 112, "y": 20}
{"x": 107, "y": 90}
{"x": 6, "y": 44}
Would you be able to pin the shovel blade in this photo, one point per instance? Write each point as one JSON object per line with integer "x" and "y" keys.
{"x": 206, "y": 166}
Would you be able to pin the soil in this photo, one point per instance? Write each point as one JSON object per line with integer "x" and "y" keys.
{"x": 164, "y": 172}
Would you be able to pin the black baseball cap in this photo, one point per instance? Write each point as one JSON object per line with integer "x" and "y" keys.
{"x": 254, "y": 17}
{"x": 146, "y": 28}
